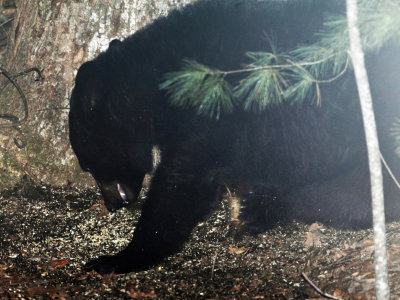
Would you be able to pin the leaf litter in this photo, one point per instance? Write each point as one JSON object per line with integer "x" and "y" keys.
{"x": 48, "y": 233}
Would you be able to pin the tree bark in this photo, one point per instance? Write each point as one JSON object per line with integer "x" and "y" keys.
{"x": 57, "y": 37}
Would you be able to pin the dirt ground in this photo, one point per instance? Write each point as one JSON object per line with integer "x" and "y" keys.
{"x": 47, "y": 234}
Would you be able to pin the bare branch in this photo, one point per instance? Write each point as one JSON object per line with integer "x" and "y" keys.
{"x": 14, "y": 121}
{"x": 319, "y": 291}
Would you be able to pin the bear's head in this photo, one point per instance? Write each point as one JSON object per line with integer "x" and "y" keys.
{"x": 110, "y": 132}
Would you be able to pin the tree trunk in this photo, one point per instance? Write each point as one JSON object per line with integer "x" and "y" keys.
{"x": 57, "y": 37}
{"x": 374, "y": 160}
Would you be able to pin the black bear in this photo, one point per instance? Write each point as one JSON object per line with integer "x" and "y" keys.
{"x": 304, "y": 162}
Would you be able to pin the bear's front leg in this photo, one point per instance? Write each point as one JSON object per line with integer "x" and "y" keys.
{"x": 176, "y": 202}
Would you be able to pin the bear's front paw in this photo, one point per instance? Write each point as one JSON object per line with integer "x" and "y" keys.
{"x": 106, "y": 264}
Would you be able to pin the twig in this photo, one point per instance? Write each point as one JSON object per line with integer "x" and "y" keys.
{"x": 15, "y": 122}
{"x": 390, "y": 171}
{"x": 19, "y": 139}
{"x": 38, "y": 72}
{"x": 300, "y": 66}
{"x": 7, "y": 21}
{"x": 272, "y": 67}
{"x": 53, "y": 108}
{"x": 213, "y": 264}
{"x": 318, "y": 289}
{"x": 229, "y": 191}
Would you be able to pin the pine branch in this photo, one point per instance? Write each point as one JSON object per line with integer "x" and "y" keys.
{"x": 275, "y": 77}
{"x": 201, "y": 88}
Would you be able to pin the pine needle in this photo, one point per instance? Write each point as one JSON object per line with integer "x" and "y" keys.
{"x": 199, "y": 87}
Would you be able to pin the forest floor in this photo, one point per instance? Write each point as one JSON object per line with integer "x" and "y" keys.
{"x": 47, "y": 234}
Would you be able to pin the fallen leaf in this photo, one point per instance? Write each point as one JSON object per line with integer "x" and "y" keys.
{"x": 234, "y": 250}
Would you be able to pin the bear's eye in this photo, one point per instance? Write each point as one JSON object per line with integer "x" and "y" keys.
{"x": 88, "y": 103}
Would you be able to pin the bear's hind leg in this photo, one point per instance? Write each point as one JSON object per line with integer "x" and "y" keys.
{"x": 341, "y": 201}
{"x": 261, "y": 208}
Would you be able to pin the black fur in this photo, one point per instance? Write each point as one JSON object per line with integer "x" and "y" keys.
{"x": 291, "y": 161}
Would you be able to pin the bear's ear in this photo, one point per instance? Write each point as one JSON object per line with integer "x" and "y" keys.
{"x": 115, "y": 43}
{"x": 114, "y": 50}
